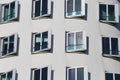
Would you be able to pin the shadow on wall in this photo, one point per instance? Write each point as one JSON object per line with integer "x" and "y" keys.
{"x": 118, "y": 25}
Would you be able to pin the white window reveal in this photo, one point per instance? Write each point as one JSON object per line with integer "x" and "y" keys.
{"x": 75, "y": 41}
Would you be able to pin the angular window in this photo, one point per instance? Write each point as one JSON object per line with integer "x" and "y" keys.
{"x": 9, "y": 11}
{"x": 41, "y": 41}
{"x": 75, "y": 41}
{"x": 112, "y": 76}
{"x": 43, "y": 73}
{"x": 75, "y": 8}
{"x": 77, "y": 73}
{"x": 41, "y": 8}
{"x": 110, "y": 47}
{"x": 9, "y": 45}
{"x": 108, "y": 13}
{"x": 11, "y": 75}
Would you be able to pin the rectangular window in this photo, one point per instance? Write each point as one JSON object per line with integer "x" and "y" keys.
{"x": 41, "y": 8}
{"x": 110, "y": 46}
{"x": 9, "y": 45}
{"x": 112, "y": 76}
{"x": 77, "y": 73}
{"x": 108, "y": 13}
{"x": 75, "y": 41}
{"x": 9, "y": 11}
{"x": 43, "y": 73}
{"x": 41, "y": 41}
{"x": 75, "y": 8}
{"x": 11, "y": 75}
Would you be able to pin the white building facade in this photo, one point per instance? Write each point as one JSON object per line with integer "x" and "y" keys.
{"x": 59, "y": 40}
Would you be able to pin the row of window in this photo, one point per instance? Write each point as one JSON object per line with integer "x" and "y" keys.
{"x": 73, "y": 8}
{"x": 46, "y": 73}
{"x": 42, "y": 41}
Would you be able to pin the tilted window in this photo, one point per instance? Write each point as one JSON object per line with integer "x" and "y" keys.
{"x": 41, "y": 8}
{"x": 9, "y": 11}
{"x": 10, "y": 75}
{"x": 41, "y": 41}
{"x": 43, "y": 73}
{"x": 112, "y": 76}
{"x": 75, "y": 8}
{"x": 110, "y": 46}
{"x": 9, "y": 45}
{"x": 75, "y": 41}
{"x": 109, "y": 13}
{"x": 77, "y": 73}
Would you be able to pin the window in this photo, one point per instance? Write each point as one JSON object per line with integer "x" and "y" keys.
{"x": 43, "y": 73}
{"x": 9, "y": 45}
{"x": 75, "y": 41}
{"x": 109, "y": 13}
{"x": 77, "y": 73}
{"x": 11, "y": 75}
{"x": 75, "y": 8}
{"x": 41, "y": 41}
{"x": 110, "y": 46}
{"x": 41, "y": 8}
{"x": 9, "y": 11}
{"x": 112, "y": 76}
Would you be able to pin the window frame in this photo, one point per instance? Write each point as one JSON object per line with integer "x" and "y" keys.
{"x": 84, "y": 41}
{"x": 112, "y": 74}
{"x": 49, "y": 41}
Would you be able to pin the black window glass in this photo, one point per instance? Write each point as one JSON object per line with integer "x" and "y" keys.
{"x": 5, "y": 46}
{"x": 44, "y": 7}
{"x": 44, "y": 73}
{"x": 108, "y": 76}
{"x": 12, "y": 10}
{"x": 79, "y": 40}
{"x": 11, "y": 44}
{"x": 6, "y": 12}
{"x": 77, "y": 5}
{"x": 37, "y": 74}
{"x": 102, "y": 12}
{"x": 45, "y": 40}
{"x": 111, "y": 12}
{"x": 69, "y": 6}
{"x": 37, "y": 42}
{"x": 114, "y": 46}
{"x": 9, "y": 75}
{"x": 37, "y": 8}
{"x": 80, "y": 73}
{"x": 3, "y": 77}
{"x": 71, "y": 74}
{"x": 117, "y": 76}
{"x": 105, "y": 45}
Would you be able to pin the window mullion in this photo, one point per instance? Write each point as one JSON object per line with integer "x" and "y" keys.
{"x": 73, "y": 5}
{"x": 107, "y": 12}
{"x": 74, "y": 40}
{"x": 41, "y": 7}
{"x": 110, "y": 42}
{"x": 8, "y": 44}
{"x": 9, "y": 11}
{"x": 41, "y": 74}
{"x": 41, "y": 41}
{"x": 34, "y": 1}
{"x": 75, "y": 73}
{"x": 33, "y": 47}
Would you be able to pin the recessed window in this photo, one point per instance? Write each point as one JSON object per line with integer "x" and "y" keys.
{"x": 75, "y": 41}
{"x": 77, "y": 73}
{"x": 41, "y": 8}
{"x": 9, "y": 11}
{"x": 75, "y": 8}
{"x": 41, "y": 41}
{"x": 43, "y": 73}
{"x": 110, "y": 46}
{"x": 10, "y": 75}
{"x": 112, "y": 76}
{"x": 108, "y": 13}
{"x": 9, "y": 45}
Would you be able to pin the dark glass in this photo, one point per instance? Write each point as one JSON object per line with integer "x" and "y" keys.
{"x": 111, "y": 12}
{"x": 37, "y": 42}
{"x": 44, "y": 7}
{"x": 45, "y": 40}
{"x": 11, "y": 44}
{"x": 44, "y": 73}
{"x": 5, "y": 46}
{"x": 12, "y": 10}
{"x": 79, "y": 40}
{"x": 78, "y": 5}
{"x": 117, "y": 76}
{"x": 71, "y": 74}
{"x": 6, "y": 11}
{"x": 80, "y": 73}
{"x": 114, "y": 46}
{"x": 9, "y": 75}
{"x": 3, "y": 77}
{"x": 108, "y": 76}
{"x": 37, "y": 74}
{"x": 102, "y": 12}
{"x": 37, "y": 8}
{"x": 105, "y": 45}
{"x": 69, "y": 6}
{"x": 71, "y": 41}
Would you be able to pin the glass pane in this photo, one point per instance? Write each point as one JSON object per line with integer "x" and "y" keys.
{"x": 45, "y": 40}
{"x": 11, "y": 43}
{"x": 5, "y": 45}
{"x": 70, "y": 41}
{"x": 37, "y": 42}
{"x": 79, "y": 38}
{"x": 44, "y": 73}
{"x": 9, "y": 75}
{"x": 102, "y": 12}
{"x": 37, "y": 74}
{"x": 114, "y": 46}
{"x": 105, "y": 45}
{"x": 3, "y": 77}
{"x": 71, "y": 74}
{"x": 78, "y": 7}
{"x": 80, "y": 73}
{"x": 111, "y": 13}
{"x": 6, "y": 12}
{"x": 37, "y": 8}
{"x": 69, "y": 7}
{"x": 12, "y": 10}
{"x": 44, "y": 7}
{"x": 117, "y": 76}
{"x": 108, "y": 76}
